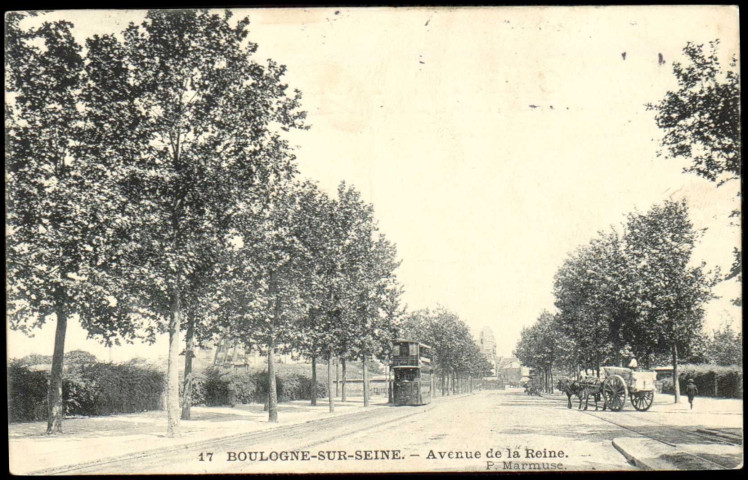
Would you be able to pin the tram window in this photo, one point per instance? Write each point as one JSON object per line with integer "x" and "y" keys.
{"x": 407, "y": 375}
{"x": 413, "y": 349}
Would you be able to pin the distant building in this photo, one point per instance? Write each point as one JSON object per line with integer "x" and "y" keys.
{"x": 487, "y": 344}
{"x": 230, "y": 354}
{"x": 510, "y": 370}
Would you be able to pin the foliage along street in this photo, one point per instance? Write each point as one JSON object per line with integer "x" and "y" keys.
{"x": 155, "y": 190}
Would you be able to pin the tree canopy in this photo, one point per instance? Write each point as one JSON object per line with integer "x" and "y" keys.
{"x": 701, "y": 120}
{"x": 701, "y": 123}
{"x": 636, "y": 293}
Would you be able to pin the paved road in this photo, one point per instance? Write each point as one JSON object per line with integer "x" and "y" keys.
{"x": 499, "y": 430}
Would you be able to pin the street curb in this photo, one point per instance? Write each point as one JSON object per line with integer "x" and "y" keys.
{"x": 196, "y": 444}
{"x": 631, "y": 458}
{"x": 653, "y": 458}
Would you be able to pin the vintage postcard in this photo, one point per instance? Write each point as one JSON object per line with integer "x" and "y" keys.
{"x": 316, "y": 240}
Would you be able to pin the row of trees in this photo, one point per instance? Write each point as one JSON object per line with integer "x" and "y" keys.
{"x": 456, "y": 354}
{"x": 151, "y": 191}
{"x": 638, "y": 293}
{"x": 308, "y": 274}
{"x": 547, "y": 349}
{"x": 541, "y": 347}
{"x": 631, "y": 294}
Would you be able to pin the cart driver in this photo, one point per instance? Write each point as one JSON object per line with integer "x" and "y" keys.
{"x": 633, "y": 364}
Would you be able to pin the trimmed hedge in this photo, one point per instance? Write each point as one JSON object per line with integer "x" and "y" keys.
{"x": 87, "y": 389}
{"x": 27, "y": 393}
{"x": 96, "y": 388}
{"x": 711, "y": 380}
{"x": 215, "y": 387}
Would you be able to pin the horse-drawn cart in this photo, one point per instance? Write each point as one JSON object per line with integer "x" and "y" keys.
{"x": 621, "y": 383}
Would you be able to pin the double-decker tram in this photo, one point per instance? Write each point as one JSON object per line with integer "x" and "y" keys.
{"x": 412, "y": 373}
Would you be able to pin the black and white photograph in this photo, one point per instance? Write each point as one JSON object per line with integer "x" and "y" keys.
{"x": 373, "y": 240}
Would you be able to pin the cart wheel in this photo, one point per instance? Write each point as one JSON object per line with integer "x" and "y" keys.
{"x": 614, "y": 392}
{"x": 642, "y": 400}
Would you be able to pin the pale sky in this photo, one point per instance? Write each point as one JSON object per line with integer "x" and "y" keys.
{"x": 491, "y": 141}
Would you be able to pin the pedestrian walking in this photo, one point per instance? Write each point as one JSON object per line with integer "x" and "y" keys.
{"x": 691, "y": 391}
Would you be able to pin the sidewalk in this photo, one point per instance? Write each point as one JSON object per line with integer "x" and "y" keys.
{"x": 717, "y": 412}
{"x": 698, "y": 447}
{"x": 92, "y": 439}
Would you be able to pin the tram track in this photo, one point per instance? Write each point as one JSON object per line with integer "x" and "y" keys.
{"x": 663, "y": 434}
{"x": 335, "y": 427}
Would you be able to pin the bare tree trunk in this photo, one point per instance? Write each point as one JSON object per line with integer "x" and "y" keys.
{"x": 551, "y": 372}
{"x": 342, "y": 379}
{"x": 330, "y": 396}
{"x": 272, "y": 388}
{"x": 235, "y": 356}
{"x": 337, "y": 377}
{"x": 676, "y": 380}
{"x": 172, "y": 368}
{"x": 218, "y": 350}
{"x": 54, "y": 395}
{"x": 389, "y": 385}
{"x": 188, "y": 354}
{"x": 314, "y": 380}
{"x": 366, "y": 380}
{"x": 431, "y": 384}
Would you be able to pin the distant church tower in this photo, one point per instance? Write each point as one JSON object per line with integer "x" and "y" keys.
{"x": 488, "y": 345}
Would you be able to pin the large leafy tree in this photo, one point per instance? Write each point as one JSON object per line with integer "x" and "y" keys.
{"x": 638, "y": 290}
{"x": 375, "y": 285}
{"x": 351, "y": 272}
{"x": 726, "y": 346}
{"x": 63, "y": 247}
{"x": 367, "y": 263}
{"x": 670, "y": 292}
{"x": 322, "y": 330}
{"x": 348, "y": 245}
{"x": 269, "y": 284}
{"x": 312, "y": 338}
{"x": 590, "y": 291}
{"x": 196, "y": 124}
{"x": 541, "y": 346}
{"x": 701, "y": 121}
